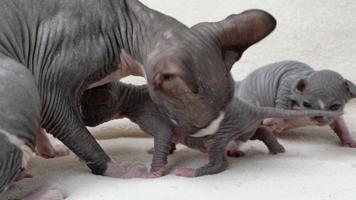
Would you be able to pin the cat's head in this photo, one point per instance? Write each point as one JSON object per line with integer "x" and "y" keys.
{"x": 322, "y": 90}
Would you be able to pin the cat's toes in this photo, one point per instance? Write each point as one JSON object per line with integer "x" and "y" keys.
{"x": 350, "y": 144}
{"x": 61, "y": 150}
{"x": 276, "y": 149}
{"x": 46, "y": 152}
{"x": 126, "y": 170}
{"x": 50, "y": 192}
{"x": 156, "y": 174}
{"x": 186, "y": 172}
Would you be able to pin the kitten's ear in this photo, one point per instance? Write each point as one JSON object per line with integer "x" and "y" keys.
{"x": 350, "y": 88}
{"x": 299, "y": 86}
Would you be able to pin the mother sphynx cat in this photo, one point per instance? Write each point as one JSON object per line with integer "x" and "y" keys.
{"x": 52, "y": 51}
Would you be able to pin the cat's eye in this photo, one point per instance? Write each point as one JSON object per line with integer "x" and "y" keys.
{"x": 335, "y": 107}
{"x": 306, "y": 105}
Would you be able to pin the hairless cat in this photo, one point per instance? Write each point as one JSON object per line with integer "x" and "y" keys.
{"x": 295, "y": 85}
{"x": 239, "y": 121}
{"x": 51, "y": 51}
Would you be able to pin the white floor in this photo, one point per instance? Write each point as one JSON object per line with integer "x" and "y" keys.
{"x": 321, "y": 33}
{"x": 314, "y": 167}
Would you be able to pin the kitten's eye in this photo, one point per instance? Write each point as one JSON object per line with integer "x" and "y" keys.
{"x": 335, "y": 107}
{"x": 307, "y": 105}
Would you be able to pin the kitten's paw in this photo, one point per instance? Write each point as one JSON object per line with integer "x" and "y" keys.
{"x": 276, "y": 149}
{"x": 156, "y": 174}
{"x": 52, "y": 148}
{"x": 61, "y": 150}
{"x": 349, "y": 144}
{"x": 126, "y": 170}
{"x": 51, "y": 192}
{"x": 186, "y": 172}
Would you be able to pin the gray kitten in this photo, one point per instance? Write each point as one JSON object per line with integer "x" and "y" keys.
{"x": 239, "y": 121}
{"x": 295, "y": 85}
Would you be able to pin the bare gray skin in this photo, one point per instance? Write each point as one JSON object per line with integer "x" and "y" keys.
{"x": 118, "y": 100}
{"x": 295, "y": 85}
{"x": 19, "y": 120}
{"x": 240, "y": 121}
{"x": 69, "y": 46}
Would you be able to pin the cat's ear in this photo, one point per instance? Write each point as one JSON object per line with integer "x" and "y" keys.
{"x": 237, "y": 32}
{"x": 350, "y": 88}
{"x": 299, "y": 86}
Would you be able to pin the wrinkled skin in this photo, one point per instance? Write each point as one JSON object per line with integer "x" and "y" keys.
{"x": 240, "y": 121}
{"x": 19, "y": 120}
{"x": 68, "y": 46}
{"x": 117, "y": 100}
{"x": 299, "y": 87}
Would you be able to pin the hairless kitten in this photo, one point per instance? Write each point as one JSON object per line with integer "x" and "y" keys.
{"x": 240, "y": 121}
{"x": 295, "y": 85}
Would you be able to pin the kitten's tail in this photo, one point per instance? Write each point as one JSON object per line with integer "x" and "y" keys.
{"x": 270, "y": 112}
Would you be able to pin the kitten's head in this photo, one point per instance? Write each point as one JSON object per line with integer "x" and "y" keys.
{"x": 322, "y": 90}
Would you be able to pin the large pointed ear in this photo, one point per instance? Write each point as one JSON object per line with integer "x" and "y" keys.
{"x": 170, "y": 78}
{"x": 238, "y": 32}
{"x": 350, "y": 88}
{"x": 299, "y": 86}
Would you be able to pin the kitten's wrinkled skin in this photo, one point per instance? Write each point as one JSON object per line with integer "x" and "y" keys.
{"x": 239, "y": 121}
{"x": 295, "y": 85}
{"x": 118, "y": 100}
{"x": 58, "y": 49}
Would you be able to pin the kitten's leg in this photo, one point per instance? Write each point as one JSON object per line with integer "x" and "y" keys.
{"x": 341, "y": 130}
{"x": 154, "y": 124}
{"x": 171, "y": 151}
{"x": 266, "y": 136}
{"x": 217, "y": 161}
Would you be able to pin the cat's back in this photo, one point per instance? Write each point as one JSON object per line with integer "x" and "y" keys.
{"x": 261, "y": 85}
